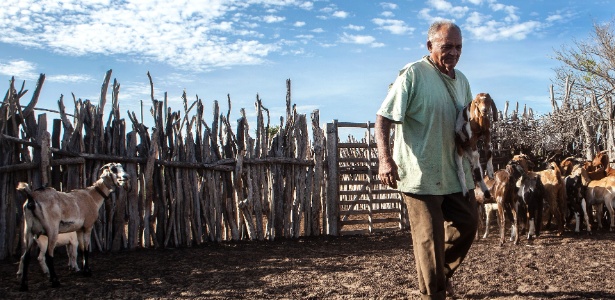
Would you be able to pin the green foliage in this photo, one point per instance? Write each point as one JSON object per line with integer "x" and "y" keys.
{"x": 272, "y": 131}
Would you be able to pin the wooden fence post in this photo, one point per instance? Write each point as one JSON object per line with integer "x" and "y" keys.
{"x": 332, "y": 206}
{"x": 134, "y": 216}
{"x": 319, "y": 147}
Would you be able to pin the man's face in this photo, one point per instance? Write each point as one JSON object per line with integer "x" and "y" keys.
{"x": 445, "y": 49}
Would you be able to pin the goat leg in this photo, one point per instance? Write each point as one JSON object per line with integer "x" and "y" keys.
{"x": 86, "y": 271}
{"x": 586, "y": 216}
{"x": 460, "y": 173}
{"x": 53, "y": 277}
{"x": 25, "y": 262}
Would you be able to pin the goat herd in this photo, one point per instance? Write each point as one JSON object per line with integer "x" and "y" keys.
{"x": 559, "y": 193}
{"x": 522, "y": 195}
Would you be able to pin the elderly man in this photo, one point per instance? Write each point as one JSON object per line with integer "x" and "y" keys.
{"x": 422, "y": 104}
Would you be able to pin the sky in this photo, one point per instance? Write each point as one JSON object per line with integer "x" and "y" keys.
{"x": 340, "y": 56}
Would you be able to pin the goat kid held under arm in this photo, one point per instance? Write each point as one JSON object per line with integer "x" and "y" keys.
{"x": 473, "y": 122}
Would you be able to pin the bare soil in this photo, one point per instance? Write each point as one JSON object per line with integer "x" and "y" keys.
{"x": 349, "y": 267}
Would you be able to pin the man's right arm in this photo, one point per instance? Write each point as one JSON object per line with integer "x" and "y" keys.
{"x": 387, "y": 169}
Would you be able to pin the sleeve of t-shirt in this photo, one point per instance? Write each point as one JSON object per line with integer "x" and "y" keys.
{"x": 396, "y": 102}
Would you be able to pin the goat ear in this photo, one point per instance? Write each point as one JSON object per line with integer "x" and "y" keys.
{"x": 105, "y": 167}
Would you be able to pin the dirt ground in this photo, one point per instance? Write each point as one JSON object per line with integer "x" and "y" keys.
{"x": 349, "y": 267}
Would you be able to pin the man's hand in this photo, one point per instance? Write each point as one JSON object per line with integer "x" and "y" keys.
{"x": 387, "y": 171}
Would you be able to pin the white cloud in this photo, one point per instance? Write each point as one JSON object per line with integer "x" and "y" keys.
{"x": 328, "y": 9}
{"x": 340, "y": 14}
{"x": 201, "y": 34}
{"x": 440, "y": 5}
{"x": 387, "y": 14}
{"x": 393, "y": 26}
{"x": 69, "y": 78}
{"x": 19, "y": 68}
{"x": 497, "y": 22}
{"x": 388, "y": 5}
{"x": 25, "y": 70}
{"x": 273, "y": 19}
{"x": 508, "y": 9}
{"x": 425, "y": 14}
{"x": 475, "y": 2}
{"x": 493, "y": 30}
{"x": 305, "y": 36}
{"x": 520, "y": 31}
{"x": 332, "y": 11}
{"x": 357, "y": 39}
{"x": 307, "y": 5}
{"x": 354, "y": 27}
{"x": 486, "y": 27}
{"x": 554, "y": 18}
{"x": 475, "y": 18}
{"x": 447, "y": 7}
{"x": 206, "y": 34}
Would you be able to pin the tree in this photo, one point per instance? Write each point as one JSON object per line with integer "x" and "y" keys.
{"x": 586, "y": 83}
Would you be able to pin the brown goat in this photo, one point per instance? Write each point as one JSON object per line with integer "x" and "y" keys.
{"x": 505, "y": 194}
{"x": 568, "y": 164}
{"x": 473, "y": 123}
{"x": 49, "y": 212}
{"x": 599, "y": 167}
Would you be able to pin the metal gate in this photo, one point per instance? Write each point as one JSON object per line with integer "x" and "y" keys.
{"x": 357, "y": 203}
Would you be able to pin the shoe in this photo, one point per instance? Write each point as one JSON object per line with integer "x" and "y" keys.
{"x": 450, "y": 290}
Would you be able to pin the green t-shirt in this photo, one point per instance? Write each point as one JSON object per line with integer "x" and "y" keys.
{"x": 424, "y": 147}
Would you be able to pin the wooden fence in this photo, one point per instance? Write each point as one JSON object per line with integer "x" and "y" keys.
{"x": 195, "y": 182}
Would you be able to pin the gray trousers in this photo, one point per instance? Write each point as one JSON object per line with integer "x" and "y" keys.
{"x": 442, "y": 229}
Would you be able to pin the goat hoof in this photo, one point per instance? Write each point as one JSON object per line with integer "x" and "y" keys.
{"x": 55, "y": 283}
{"x": 87, "y": 272}
{"x": 23, "y": 288}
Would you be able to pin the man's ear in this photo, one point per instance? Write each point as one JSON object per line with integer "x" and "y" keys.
{"x": 429, "y": 46}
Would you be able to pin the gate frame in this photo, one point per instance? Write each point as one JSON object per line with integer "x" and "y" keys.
{"x": 333, "y": 217}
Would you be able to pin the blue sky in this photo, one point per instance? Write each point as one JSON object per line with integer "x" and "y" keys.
{"x": 339, "y": 55}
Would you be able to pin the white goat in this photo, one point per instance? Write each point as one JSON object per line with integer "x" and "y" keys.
{"x": 68, "y": 239}
{"x": 473, "y": 122}
{"x": 49, "y": 212}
